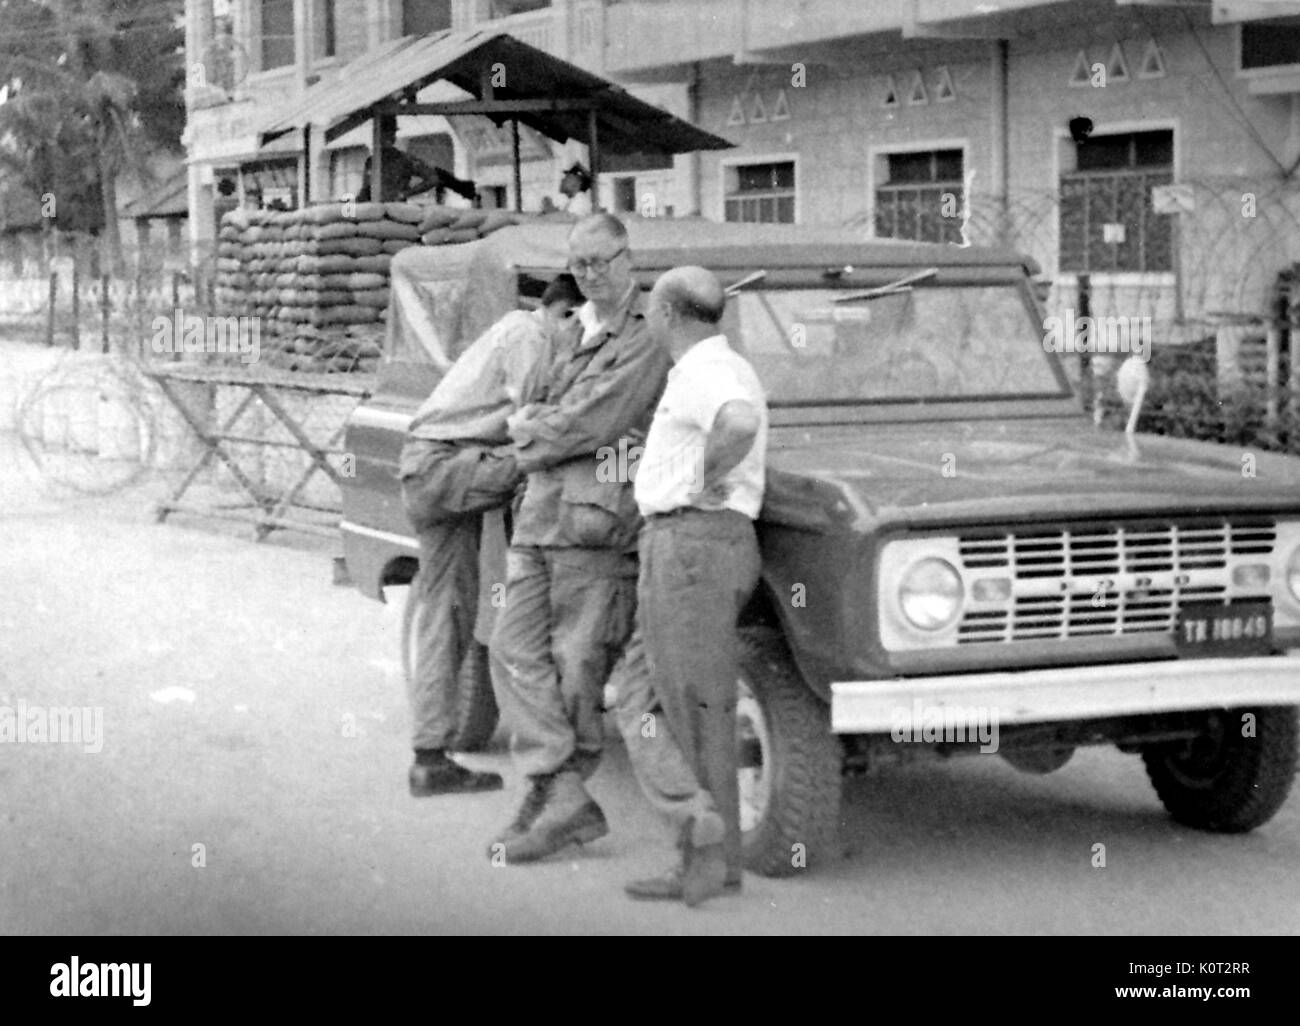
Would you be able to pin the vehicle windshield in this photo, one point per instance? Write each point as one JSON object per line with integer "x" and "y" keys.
{"x": 922, "y": 343}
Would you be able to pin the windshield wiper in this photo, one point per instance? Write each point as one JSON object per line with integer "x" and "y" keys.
{"x": 745, "y": 282}
{"x": 735, "y": 288}
{"x": 892, "y": 289}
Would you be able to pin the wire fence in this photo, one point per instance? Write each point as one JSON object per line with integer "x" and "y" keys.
{"x": 93, "y": 421}
{"x": 56, "y": 291}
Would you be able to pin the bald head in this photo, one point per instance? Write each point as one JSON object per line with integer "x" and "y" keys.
{"x": 686, "y": 305}
{"x": 692, "y": 293}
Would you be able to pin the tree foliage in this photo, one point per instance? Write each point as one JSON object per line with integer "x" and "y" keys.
{"x": 92, "y": 88}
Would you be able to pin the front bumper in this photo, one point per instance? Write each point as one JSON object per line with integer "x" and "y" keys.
{"x": 1072, "y": 693}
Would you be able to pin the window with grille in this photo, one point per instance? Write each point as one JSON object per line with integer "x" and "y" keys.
{"x": 277, "y": 48}
{"x": 921, "y": 198}
{"x": 760, "y": 192}
{"x": 1112, "y": 186}
{"x": 420, "y": 17}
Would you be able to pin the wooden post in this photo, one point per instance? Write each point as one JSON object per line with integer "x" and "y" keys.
{"x": 137, "y": 315}
{"x": 514, "y": 146}
{"x": 54, "y": 296}
{"x": 304, "y": 193}
{"x": 76, "y": 300}
{"x": 103, "y": 313}
{"x": 376, "y": 158}
{"x": 176, "y": 303}
{"x": 1272, "y": 358}
{"x": 1293, "y": 317}
{"x": 1084, "y": 302}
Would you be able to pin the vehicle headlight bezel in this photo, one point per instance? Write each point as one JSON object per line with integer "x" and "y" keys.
{"x": 931, "y": 594}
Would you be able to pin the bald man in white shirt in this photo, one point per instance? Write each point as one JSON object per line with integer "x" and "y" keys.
{"x": 699, "y": 484}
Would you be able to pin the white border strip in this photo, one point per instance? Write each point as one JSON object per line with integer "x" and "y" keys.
{"x": 388, "y": 536}
{"x": 1075, "y": 693}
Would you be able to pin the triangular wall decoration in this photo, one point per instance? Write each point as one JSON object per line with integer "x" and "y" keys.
{"x": 944, "y": 92}
{"x": 737, "y": 112}
{"x": 1153, "y": 61}
{"x": 917, "y": 96}
{"x": 891, "y": 92}
{"x": 780, "y": 108}
{"x": 1116, "y": 65}
{"x": 1082, "y": 73}
{"x": 758, "y": 111}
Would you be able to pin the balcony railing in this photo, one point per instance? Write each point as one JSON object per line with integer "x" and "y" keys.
{"x": 571, "y": 31}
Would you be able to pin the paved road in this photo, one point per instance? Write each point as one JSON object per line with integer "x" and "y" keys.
{"x": 230, "y": 675}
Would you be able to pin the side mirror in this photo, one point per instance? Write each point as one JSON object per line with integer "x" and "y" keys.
{"x": 1132, "y": 381}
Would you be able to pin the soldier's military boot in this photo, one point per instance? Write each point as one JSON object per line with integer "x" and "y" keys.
{"x": 534, "y": 801}
{"x": 570, "y": 815}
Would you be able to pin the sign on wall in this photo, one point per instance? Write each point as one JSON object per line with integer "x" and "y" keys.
{"x": 1172, "y": 199}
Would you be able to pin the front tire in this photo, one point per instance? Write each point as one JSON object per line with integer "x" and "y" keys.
{"x": 788, "y": 762}
{"x": 1223, "y": 781}
{"x": 476, "y": 703}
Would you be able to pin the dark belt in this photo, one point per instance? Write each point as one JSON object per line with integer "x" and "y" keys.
{"x": 693, "y": 511}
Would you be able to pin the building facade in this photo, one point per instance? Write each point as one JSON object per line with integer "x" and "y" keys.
{"x": 249, "y": 58}
{"x": 1151, "y": 144}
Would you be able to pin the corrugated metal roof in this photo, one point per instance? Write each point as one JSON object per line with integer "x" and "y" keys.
{"x": 636, "y": 132}
{"x": 170, "y": 199}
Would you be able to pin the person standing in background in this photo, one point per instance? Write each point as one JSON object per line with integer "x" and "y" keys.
{"x": 575, "y": 187}
{"x": 403, "y": 175}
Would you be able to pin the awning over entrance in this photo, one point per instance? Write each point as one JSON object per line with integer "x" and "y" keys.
{"x": 503, "y": 79}
{"x": 168, "y": 199}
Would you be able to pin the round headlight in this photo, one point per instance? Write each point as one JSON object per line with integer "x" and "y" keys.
{"x": 1293, "y": 573}
{"x": 931, "y": 594}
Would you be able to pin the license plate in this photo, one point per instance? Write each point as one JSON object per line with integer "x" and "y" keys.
{"x": 1211, "y": 628}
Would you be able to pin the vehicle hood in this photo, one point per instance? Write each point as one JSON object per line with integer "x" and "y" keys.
{"x": 972, "y": 471}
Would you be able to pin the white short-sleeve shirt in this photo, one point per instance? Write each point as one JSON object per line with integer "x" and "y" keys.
{"x": 670, "y": 473}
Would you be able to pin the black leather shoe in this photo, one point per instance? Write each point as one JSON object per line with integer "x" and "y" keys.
{"x": 447, "y": 777}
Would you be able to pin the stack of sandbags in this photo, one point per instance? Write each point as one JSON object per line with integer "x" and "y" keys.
{"x": 316, "y": 279}
{"x": 442, "y": 226}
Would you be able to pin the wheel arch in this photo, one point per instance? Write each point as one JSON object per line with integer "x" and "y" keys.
{"x": 763, "y": 610}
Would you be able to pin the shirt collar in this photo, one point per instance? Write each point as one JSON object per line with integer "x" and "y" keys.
{"x": 630, "y": 306}
{"x": 702, "y": 350}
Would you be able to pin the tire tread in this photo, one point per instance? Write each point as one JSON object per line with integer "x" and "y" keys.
{"x": 805, "y": 801}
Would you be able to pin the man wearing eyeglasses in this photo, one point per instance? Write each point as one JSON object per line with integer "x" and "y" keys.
{"x": 571, "y": 572}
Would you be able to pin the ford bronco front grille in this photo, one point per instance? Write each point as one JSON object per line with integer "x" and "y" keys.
{"x": 1110, "y": 579}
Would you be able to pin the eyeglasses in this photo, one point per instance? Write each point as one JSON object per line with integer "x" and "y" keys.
{"x": 597, "y": 266}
